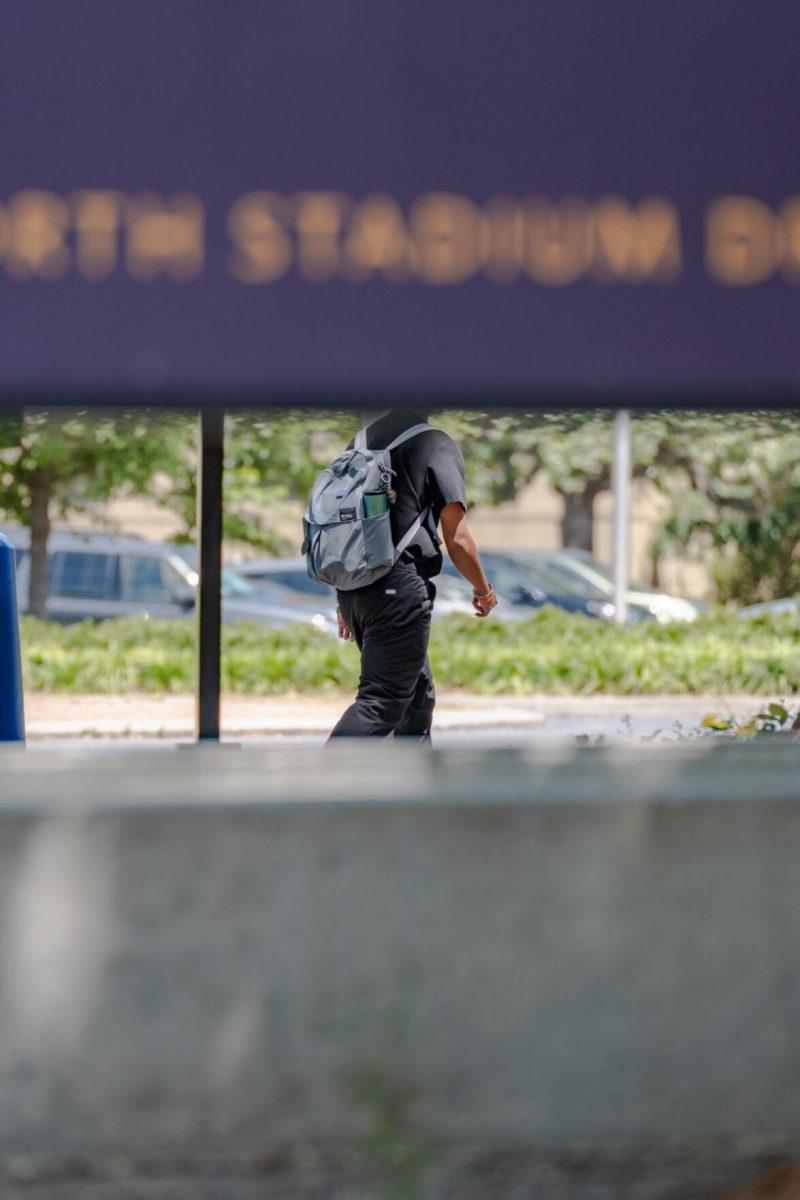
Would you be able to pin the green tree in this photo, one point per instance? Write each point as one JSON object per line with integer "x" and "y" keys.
{"x": 577, "y": 456}
{"x": 271, "y": 461}
{"x": 731, "y": 479}
{"x": 55, "y": 464}
{"x": 271, "y": 464}
{"x": 573, "y": 449}
{"x": 734, "y": 485}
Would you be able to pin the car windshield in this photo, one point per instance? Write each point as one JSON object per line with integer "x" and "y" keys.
{"x": 508, "y": 572}
{"x": 505, "y": 574}
{"x": 233, "y": 584}
{"x": 574, "y": 579}
{"x": 297, "y": 580}
{"x": 451, "y": 588}
{"x": 592, "y": 569}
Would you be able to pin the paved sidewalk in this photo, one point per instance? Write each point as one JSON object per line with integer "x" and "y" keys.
{"x": 169, "y": 716}
{"x": 172, "y": 716}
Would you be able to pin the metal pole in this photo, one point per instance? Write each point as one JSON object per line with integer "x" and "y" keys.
{"x": 621, "y": 483}
{"x": 209, "y": 599}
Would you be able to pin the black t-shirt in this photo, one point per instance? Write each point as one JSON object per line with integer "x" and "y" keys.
{"x": 429, "y": 470}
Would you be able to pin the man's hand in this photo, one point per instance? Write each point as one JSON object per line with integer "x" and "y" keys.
{"x": 344, "y": 633}
{"x": 483, "y": 604}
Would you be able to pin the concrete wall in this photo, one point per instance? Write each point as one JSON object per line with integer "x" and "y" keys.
{"x": 223, "y": 952}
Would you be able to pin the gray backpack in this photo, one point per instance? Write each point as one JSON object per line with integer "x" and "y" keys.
{"x": 344, "y": 546}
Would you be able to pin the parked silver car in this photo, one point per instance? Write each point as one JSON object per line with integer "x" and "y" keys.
{"x": 101, "y": 577}
{"x": 454, "y": 595}
{"x": 577, "y": 568}
{"x": 522, "y": 584}
{"x": 290, "y": 573}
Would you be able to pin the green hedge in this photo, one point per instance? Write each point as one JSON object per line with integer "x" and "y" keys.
{"x": 552, "y": 652}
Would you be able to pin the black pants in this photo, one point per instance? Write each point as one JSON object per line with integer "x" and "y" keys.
{"x": 391, "y": 622}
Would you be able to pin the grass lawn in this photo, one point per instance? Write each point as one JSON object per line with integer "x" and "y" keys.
{"x": 552, "y": 652}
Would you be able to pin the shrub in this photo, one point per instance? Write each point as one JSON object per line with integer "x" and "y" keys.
{"x": 553, "y": 652}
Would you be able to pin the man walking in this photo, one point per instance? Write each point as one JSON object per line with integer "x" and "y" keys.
{"x": 390, "y": 619}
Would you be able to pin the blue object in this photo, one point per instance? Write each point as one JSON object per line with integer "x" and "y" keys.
{"x": 12, "y": 716}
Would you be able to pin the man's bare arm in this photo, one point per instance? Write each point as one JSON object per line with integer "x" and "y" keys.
{"x": 463, "y": 551}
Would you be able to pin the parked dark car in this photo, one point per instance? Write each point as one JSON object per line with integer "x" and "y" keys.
{"x": 454, "y": 596}
{"x": 288, "y": 572}
{"x": 579, "y": 565}
{"x": 101, "y": 577}
{"x": 519, "y": 582}
{"x": 519, "y": 585}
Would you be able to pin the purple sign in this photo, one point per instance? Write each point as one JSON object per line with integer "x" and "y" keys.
{"x": 524, "y": 201}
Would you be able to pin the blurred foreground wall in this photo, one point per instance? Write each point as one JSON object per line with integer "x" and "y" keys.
{"x": 225, "y": 953}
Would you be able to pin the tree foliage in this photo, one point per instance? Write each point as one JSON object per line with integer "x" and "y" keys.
{"x": 734, "y": 486}
{"x": 732, "y": 481}
{"x": 55, "y": 464}
{"x": 271, "y": 461}
{"x": 271, "y": 464}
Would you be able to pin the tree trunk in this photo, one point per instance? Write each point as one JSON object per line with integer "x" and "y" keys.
{"x": 39, "y": 524}
{"x": 655, "y": 567}
{"x": 577, "y": 524}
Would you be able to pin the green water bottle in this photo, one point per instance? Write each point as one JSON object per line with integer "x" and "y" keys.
{"x": 375, "y": 503}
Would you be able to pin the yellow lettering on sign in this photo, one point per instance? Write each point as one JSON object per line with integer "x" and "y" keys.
{"x": 96, "y": 218}
{"x": 377, "y": 240}
{"x": 37, "y": 223}
{"x": 445, "y": 239}
{"x": 318, "y": 220}
{"x": 164, "y": 237}
{"x": 558, "y": 240}
{"x": 262, "y": 246}
{"x": 789, "y": 217}
{"x": 743, "y": 241}
{"x": 506, "y": 237}
{"x": 636, "y": 244}
{"x": 451, "y": 237}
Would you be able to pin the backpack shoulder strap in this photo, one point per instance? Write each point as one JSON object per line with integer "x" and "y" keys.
{"x": 411, "y": 532}
{"x": 360, "y": 440}
{"x": 408, "y": 434}
{"x": 420, "y": 520}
